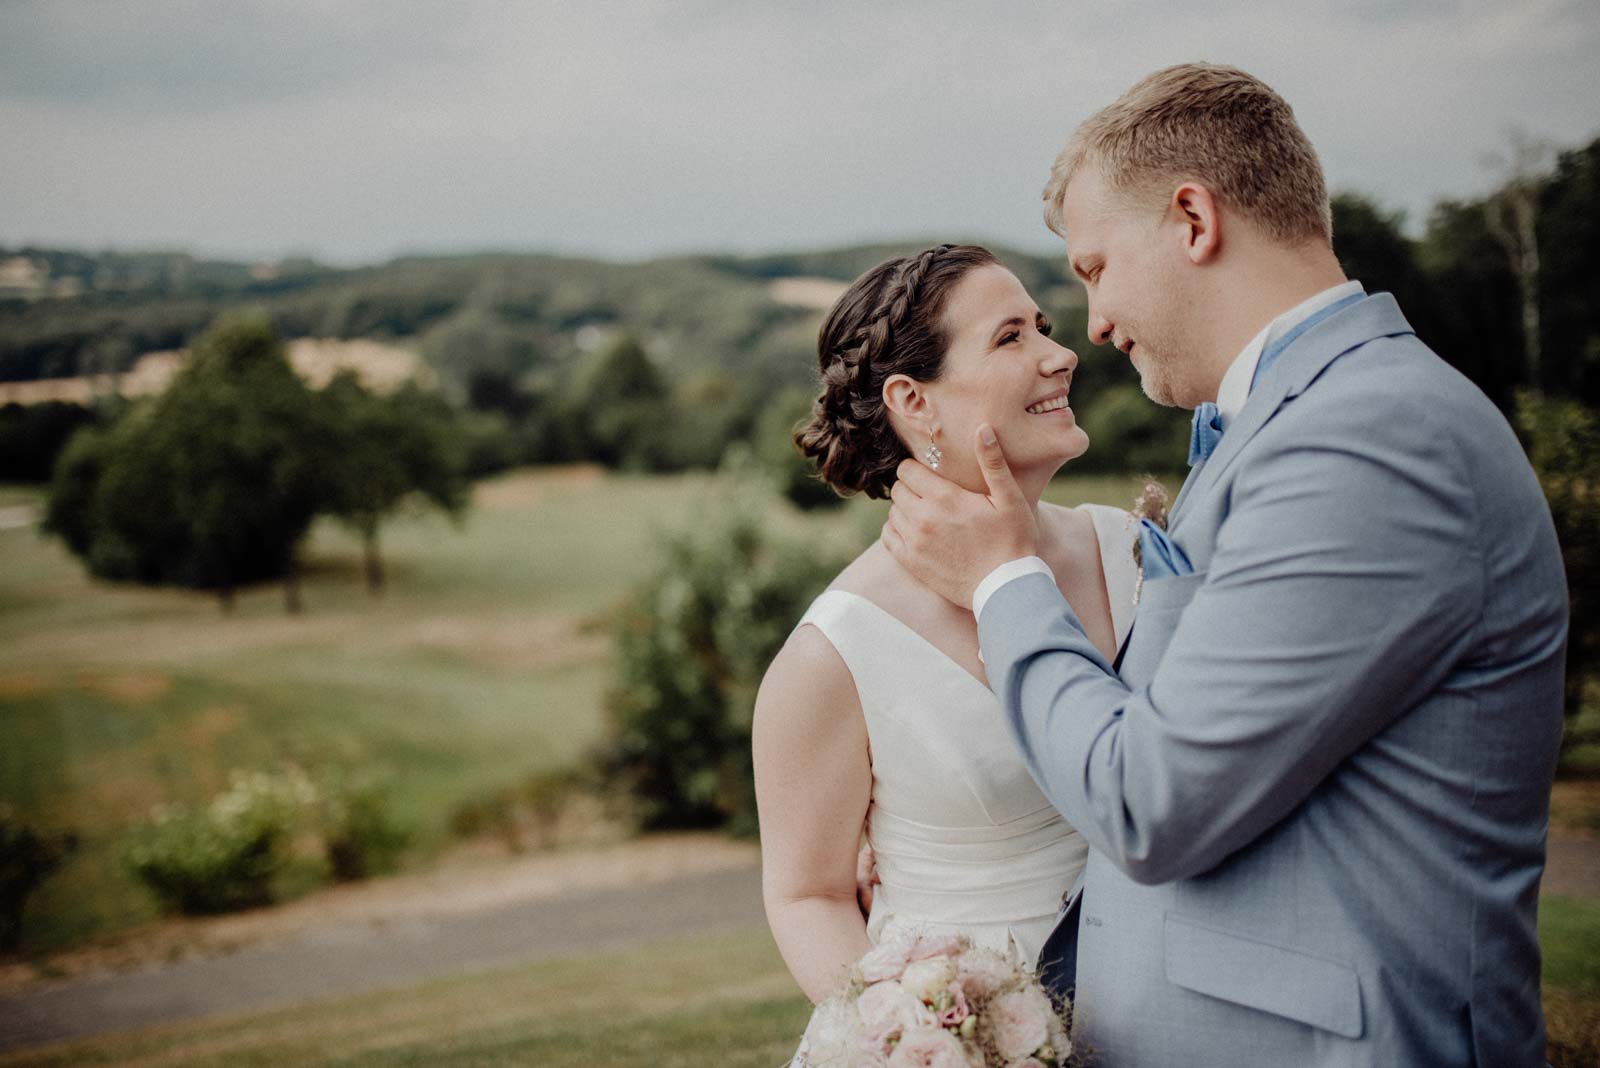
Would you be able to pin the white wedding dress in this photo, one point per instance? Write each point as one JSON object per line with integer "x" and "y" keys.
{"x": 965, "y": 841}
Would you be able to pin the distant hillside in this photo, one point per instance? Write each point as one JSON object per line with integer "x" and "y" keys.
{"x": 523, "y": 316}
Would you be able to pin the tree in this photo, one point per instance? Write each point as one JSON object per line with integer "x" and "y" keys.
{"x": 1563, "y": 442}
{"x": 1512, "y": 212}
{"x": 1569, "y": 264}
{"x": 387, "y": 448}
{"x": 616, "y": 401}
{"x": 212, "y": 484}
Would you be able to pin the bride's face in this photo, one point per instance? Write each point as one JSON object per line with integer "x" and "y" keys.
{"x": 1002, "y": 369}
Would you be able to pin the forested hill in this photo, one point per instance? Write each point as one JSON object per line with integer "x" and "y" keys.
{"x": 514, "y": 315}
{"x": 494, "y": 323}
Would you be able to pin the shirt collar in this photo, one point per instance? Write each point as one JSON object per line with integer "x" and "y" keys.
{"x": 1235, "y": 388}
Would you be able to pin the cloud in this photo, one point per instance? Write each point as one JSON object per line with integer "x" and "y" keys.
{"x": 627, "y": 128}
{"x": 197, "y": 56}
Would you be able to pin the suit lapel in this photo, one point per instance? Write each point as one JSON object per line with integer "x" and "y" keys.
{"x": 1307, "y": 357}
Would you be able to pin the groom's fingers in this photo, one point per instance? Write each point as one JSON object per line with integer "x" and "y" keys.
{"x": 892, "y": 540}
{"x": 1003, "y": 488}
{"x": 918, "y": 479}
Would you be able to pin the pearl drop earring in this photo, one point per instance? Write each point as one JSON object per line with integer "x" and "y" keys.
{"x": 934, "y": 455}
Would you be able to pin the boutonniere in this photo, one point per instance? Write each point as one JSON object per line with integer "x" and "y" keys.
{"x": 1149, "y": 504}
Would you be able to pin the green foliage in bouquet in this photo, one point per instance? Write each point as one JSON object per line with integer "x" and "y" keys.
{"x": 1563, "y": 442}
{"x": 691, "y": 645}
{"x": 28, "y": 855}
{"x": 225, "y": 855}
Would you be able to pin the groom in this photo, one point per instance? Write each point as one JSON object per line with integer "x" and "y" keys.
{"x": 1317, "y": 780}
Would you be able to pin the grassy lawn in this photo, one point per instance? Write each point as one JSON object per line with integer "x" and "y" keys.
{"x": 1569, "y": 931}
{"x": 726, "y": 1001}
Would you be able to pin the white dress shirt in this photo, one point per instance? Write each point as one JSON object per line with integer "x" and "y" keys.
{"x": 1231, "y": 395}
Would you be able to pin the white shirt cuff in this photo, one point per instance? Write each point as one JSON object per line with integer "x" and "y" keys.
{"x": 1000, "y": 576}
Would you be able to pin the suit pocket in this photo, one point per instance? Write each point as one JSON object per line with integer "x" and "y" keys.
{"x": 1284, "y": 982}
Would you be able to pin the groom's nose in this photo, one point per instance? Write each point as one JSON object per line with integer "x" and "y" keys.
{"x": 1100, "y": 328}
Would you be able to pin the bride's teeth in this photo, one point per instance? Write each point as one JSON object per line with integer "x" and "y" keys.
{"x": 1047, "y": 406}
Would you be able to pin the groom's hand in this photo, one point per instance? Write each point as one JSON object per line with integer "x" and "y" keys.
{"x": 950, "y": 538}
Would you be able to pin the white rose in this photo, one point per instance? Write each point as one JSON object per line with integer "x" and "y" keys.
{"x": 927, "y": 979}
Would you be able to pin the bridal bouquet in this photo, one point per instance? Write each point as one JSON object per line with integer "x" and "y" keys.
{"x": 937, "y": 1001}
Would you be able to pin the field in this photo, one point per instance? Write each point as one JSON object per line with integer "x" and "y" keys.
{"x": 676, "y": 1004}
{"x": 485, "y": 660}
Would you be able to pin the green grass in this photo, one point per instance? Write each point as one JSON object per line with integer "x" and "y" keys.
{"x": 485, "y": 660}
{"x": 726, "y": 1001}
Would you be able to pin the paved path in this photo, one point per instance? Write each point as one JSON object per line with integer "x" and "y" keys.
{"x": 326, "y": 961}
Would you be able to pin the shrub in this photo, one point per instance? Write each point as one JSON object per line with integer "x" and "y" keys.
{"x": 691, "y": 645}
{"x": 1563, "y": 442}
{"x": 527, "y": 814}
{"x": 28, "y": 856}
{"x": 360, "y": 832}
{"x": 223, "y": 856}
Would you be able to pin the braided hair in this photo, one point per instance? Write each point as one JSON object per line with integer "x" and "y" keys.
{"x": 889, "y": 322}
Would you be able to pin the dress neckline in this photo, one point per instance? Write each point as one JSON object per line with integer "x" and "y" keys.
{"x": 1104, "y": 550}
{"x": 917, "y": 635}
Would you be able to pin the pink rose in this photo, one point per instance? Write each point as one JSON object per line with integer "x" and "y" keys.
{"x": 928, "y": 1047}
{"x": 983, "y": 972}
{"x": 887, "y": 959}
{"x": 959, "y": 1009}
{"x": 886, "y": 1008}
{"x": 1020, "y": 1021}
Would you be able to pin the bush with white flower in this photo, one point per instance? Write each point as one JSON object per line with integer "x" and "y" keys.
{"x": 923, "y": 1000}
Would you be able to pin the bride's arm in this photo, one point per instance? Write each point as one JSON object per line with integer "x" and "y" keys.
{"x": 813, "y": 782}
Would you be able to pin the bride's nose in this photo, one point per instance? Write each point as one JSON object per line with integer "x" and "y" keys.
{"x": 1061, "y": 360}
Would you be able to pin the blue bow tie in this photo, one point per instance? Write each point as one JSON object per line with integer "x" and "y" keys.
{"x": 1205, "y": 432}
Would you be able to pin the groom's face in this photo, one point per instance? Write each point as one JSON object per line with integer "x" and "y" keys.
{"x": 1118, "y": 248}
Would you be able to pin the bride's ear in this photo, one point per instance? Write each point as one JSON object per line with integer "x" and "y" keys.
{"x": 910, "y": 408}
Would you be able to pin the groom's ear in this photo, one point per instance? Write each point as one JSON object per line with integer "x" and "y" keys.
{"x": 1199, "y": 222}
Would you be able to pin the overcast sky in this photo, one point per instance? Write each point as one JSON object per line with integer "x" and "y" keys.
{"x": 354, "y": 131}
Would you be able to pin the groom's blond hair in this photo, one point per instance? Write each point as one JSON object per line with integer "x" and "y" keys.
{"x": 1210, "y": 124}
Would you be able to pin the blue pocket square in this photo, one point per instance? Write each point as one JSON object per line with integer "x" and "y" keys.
{"x": 1159, "y": 555}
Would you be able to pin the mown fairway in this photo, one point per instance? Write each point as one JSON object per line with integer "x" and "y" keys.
{"x": 485, "y": 660}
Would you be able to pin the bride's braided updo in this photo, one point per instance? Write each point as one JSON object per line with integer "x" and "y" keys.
{"x": 889, "y": 322}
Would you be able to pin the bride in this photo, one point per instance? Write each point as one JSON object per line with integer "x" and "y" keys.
{"x": 875, "y": 717}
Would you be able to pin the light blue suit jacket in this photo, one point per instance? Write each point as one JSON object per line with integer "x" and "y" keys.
{"x": 1318, "y": 793}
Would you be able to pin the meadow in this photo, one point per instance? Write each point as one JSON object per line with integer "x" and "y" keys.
{"x": 486, "y": 659}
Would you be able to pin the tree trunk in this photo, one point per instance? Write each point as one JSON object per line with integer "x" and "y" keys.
{"x": 374, "y": 562}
